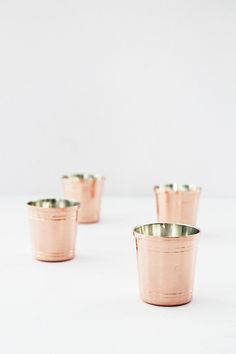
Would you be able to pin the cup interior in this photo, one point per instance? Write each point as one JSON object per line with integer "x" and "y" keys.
{"x": 53, "y": 203}
{"x": 178, "y": 187}
{"x": 166, "y": 230}
{"x": 83, "y": 176}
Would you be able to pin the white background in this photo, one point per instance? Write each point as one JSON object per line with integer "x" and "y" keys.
{"x": 144, "y": 93}
{"x": 140, "y": 91}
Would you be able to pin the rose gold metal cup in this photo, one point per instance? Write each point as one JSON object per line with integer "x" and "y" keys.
{"x": 53, "y": 228}
{"x": 177, "y": 203}
{"x": 166, "y": 262}
{"x": 88, "y": 190}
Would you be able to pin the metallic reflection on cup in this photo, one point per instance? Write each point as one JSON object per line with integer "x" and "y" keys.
{"x": 177, "y": 203}
{"x": 166, "y": 262}
{"x": 53, "y": 228}
{"x": 87, "y": 189}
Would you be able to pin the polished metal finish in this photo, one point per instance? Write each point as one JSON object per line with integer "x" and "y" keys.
{"x": 53, "y": 203}
{"x": 166, "y": 256}
{"x": 53, "y": 228}
{"x": 87, "y": 189}
{"x": 165, "y": 230}
{"x": 84, "y": 176}
{"x": 177, "y": 203}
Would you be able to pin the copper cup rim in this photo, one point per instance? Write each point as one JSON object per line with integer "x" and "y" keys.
{"x": 84, "y": 176}
{"x": 53, "y": 204}
{"x": 192, "y": 231}
{"x": 177, "y": 188}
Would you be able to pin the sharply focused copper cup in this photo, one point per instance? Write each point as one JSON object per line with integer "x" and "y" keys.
{"x": 166, "y": 256}
{"x": 177, "y": 203}
{"x": 87, "y": 189}
{"x": 53, "y": 228}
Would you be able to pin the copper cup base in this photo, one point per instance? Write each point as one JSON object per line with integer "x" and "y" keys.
{"x": 167, "y": 303}
{"x": 92, "y": 221}
{"x": 54, "y": 257}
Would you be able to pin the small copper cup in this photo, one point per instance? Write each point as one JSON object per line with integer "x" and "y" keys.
{"x": 53, "y": 228}
{"x": 166, "y": 262}
{"x": 88, "y": 190}
{"x": 177, "y": 203}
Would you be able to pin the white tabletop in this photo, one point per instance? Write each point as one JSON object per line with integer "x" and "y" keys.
{"x": 91, "y": 305}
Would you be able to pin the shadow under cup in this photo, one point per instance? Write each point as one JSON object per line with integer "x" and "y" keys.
{"x": 166, "y": 255}
{"x": 53, "y": 225}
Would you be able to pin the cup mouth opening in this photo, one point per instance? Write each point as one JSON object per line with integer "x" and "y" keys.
{"x": 53, "y": 203}
{"x": 166, "y": 230}
{"x": 177, "y": 187}
{"x": 84, "y": 176}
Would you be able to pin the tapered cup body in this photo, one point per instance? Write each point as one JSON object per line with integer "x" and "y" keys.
{"x": 176, "y": 203}
{"x": 53, "y": 225}
{"x": 166, "y": 255}
{"x": 87, "y": 189}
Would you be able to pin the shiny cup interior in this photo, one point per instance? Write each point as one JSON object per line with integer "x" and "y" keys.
{"x": 175, "y": 187}
{"x": 166, "y": 230}
{"x": 53, "y": 203}
{"x": 83, "y": 176}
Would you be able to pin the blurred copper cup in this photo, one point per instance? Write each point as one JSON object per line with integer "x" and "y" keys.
{"x": 166, "y": 262}
{"x": 88, "y": 190}
{"x": 53, "y": 228}
{"x": 177, "y": 203}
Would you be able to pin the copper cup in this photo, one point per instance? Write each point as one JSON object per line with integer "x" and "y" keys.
{"x": 177, "y": 203}
{"x": 88, "y": 190}
{"x": 166, "y": 261}
{"x": 53, "y": 228}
